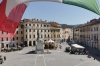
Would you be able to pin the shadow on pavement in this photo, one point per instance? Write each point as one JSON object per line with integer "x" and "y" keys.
{"x": 94, "y": 52}
{"x": 31, "y": 52}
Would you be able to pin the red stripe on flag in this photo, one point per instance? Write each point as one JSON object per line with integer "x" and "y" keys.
{"x": 2, "y": 12}
{"x": 13, "y": 20}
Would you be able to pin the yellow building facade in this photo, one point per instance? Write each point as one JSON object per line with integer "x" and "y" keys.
{"x": 89, "y": 34}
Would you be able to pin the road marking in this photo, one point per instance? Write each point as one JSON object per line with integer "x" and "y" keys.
{"x": 40, "y": 56}
{"x": 44, "y": 61}
{"x": 35, "y": 60}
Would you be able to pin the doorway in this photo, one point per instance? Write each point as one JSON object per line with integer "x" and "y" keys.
{"x": 34, "y": 43}
{"x": 30, "y": 43}
{"x": 2, "y": 45}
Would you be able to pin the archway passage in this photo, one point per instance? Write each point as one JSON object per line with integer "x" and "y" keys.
{"x": 30, "y": 43}
{"x": 2, "y": 45}
{"x": 12, "y": 13}
{"x": 25, "y": 43}
{"x": 7, "y": 45}
{"x": 34, "y": 43}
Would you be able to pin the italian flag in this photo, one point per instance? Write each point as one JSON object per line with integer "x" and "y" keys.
{"x": 11, "y": 11}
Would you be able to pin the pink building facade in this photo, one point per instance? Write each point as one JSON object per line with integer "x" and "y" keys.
{"x": 6, "y": 39}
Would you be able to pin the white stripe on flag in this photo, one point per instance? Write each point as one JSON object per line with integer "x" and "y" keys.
{"x": 13, "y": 3}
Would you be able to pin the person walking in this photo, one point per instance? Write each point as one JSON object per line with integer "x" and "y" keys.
{"x": 60, "y": 46}
{"x": 4, "y": 58}
{"x": 94, "y": 58}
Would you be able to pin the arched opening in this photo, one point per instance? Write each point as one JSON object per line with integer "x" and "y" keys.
{"x": 30, "y": 43}
{"x": 46, "y": 46}
{"x": 34, "y": 43}
{"x": 2, "y": 45}
{"x": 7, "y": 45}
{"x": 13, "y": 45}
{"x": 25, "y": 43}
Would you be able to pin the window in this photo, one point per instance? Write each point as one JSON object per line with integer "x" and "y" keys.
{"x": 2, "y": 32}
{"x": 91, "y": 29}
{"x": 22, "y": 26}
{"x": 29, "y": 30}
{"x": 30, "y": 36}
{"x": 17, "y": 32}
{"x": 7, "y": 39}
{"x": 37, "y": 25}
{"x": 16, "y": 38}
{"x": 13, "y": 38}
{"x": 59, "y": 35}
{"x": 26, "y": 24}
{"x": 45, "y": 36}
{"x": 2, "y": 39}
{"x": 33, "y": 24}
{"x": 97, "y": 28}
{"x": 47, "y": 25}
{"x": 45, "y": 30}
{"x": 44, "y": 25}
{"x": 21, "y": 32}
{"x": 48, "y": 35}
{"x": 34, "y": 30}
{"x": 48, "y": 30}
{"x": 29, "y": 24}
{"x": 26, "y": 36}
{"x": 33, "y": 36}
{"x": 41, "y": 25}
{"x": 41, "y": 30}
{"x": 26, "y": 30}
{"x": 97, "y": 37}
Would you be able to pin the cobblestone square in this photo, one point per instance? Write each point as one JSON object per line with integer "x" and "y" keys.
{"x": 56, "y": 58}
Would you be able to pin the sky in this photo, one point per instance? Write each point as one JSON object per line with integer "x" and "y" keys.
{"x": 58, "y": 12}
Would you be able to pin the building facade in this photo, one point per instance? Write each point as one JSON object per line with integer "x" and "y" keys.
{"x": 32, "y": 27}
{"x": 28, "y": 29}
{"x": 67, "y": 33}
{"x": 89, "y": 34}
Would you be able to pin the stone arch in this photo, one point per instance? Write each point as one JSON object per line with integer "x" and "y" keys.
{"x": 2, "y": 45}
{"x": 34, "y": 43}
{"x": 25, "y": 43}
{"x": 30, "y": 43}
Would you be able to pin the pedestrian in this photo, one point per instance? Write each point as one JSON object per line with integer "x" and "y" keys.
{"x": 4, "y": 58}
{"x": 94, "y": 58}
{"x": 60, "y": 46}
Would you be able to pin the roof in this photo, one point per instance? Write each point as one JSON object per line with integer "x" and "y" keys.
{"x": 77, "y": 46}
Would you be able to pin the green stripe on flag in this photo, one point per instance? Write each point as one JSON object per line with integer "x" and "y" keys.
{"x": 91, "y": 5}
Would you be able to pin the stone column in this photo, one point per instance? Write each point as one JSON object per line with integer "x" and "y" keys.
{"x": 32, "y": 43}
{"x": 27, "y": 43}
